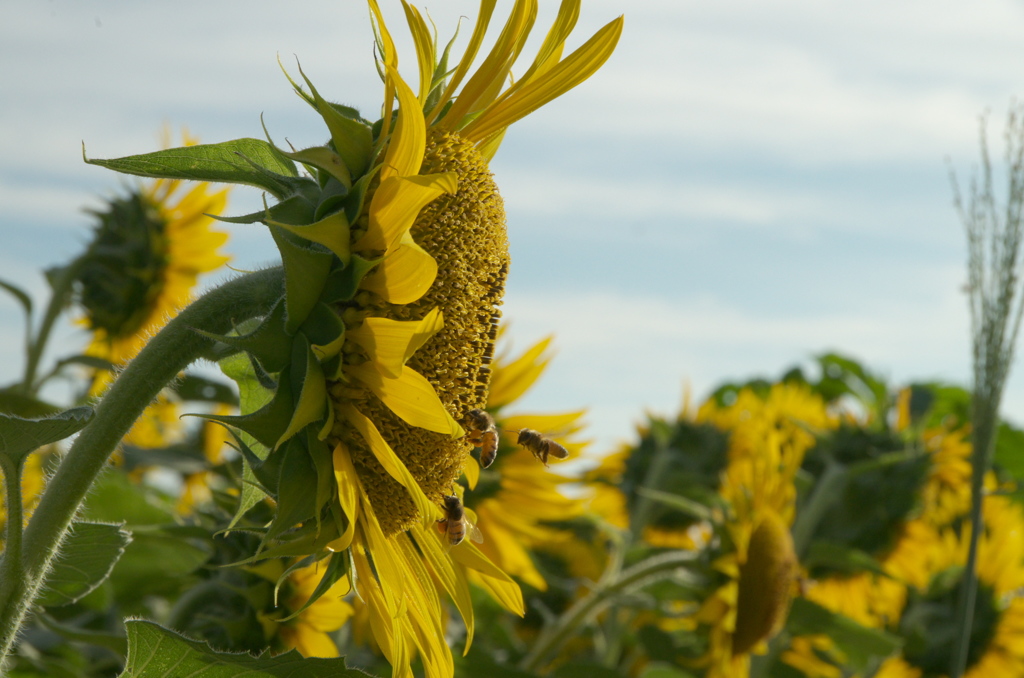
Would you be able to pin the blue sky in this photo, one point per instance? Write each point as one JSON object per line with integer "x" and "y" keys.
{"x": 744, "y": 185}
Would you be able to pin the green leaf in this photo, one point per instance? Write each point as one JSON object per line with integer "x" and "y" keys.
{"x": 157, "y": 563}
{"x": 337, "y": 567}
{"x": 87, "y": 557}
{"x": 266, "y": 424}
{"x": 295, "y": 502}
{"x": 352, "y": 138}
{"x": 332, "y": 232}
{"x": 342, "y": 284}
{"x": 156, "y": 652}
{"x": 311, "y": 386}
{"x": 325, "y": 331}
{"x": 114, "y": 498}
{"x": 268, "y": 343}
{"x": 253, "y": 395}
{"x": 20, "y": 437}
{"x": 860, "y": 644}
{"x": 240, "y": 161}
{"x": 306, "y": 270}
{"x": 323, "y": 158}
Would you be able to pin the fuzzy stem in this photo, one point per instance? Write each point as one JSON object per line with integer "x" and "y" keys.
{"x": 175, "y": 347}
{"x": 646, "y": 572}
{"x": 10, "y": 565}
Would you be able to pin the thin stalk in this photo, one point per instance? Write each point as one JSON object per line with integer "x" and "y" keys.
{"x": 175, "y": 347}
{"x": 646, "y": 572}
{"x": 61, "y": 290}
{"x": 983, "y": 441}
{"x": 827, "y": 492}
{"x": 10, "y": 565}
{"x": 655, "y": 472}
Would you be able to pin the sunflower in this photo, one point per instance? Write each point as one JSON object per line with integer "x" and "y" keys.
{"x": 147, "y": 253}
{"x": 928, "y": 622}
{"x": 395, "y": 255}
{"x": 516, "y": 496}
{"x": 757, "y": 564}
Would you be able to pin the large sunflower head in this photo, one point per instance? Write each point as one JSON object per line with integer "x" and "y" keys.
{"x": 395, "y": 256}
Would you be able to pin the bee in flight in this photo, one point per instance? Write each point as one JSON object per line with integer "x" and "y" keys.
{"x": 540, "y": 446}
{"x": 484, "y": 434}
{"x": 455, "y": 526}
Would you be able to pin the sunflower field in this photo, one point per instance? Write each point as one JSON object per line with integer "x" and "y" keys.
{"x": 321, "y": 468}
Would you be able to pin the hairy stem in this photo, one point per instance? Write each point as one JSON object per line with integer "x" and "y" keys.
{"x": 175, "y": 347}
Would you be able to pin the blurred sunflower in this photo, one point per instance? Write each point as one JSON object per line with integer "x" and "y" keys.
{"x": 929, "y": 624}
{"x": 147, "y": 252}
{"x": 306, "y": 628}
{"x": 516, "y": 496}
{"x": 755, "y": 559}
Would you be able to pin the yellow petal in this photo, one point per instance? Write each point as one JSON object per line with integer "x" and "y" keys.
{"x": 451, "y": 578}
{"x": 409, "y": 139}
{"x": 404, "y": 275}
{"x": 348, "y": 496}
{"x": 424, "y": 48}
{"x": 411, "y": 397}
{"x": 483, "y": 19}
{"x": 472, "y": 470}
{"x": 391, "y": 463}
{"x": 396, "y": 204}
{"x": 510, "y": 381}
{"x": 479, "y": 90}
{"x": 558, "y": 80}
{"x": 390, "y": 343}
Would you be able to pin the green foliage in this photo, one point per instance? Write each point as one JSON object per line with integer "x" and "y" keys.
{"x": 21, "y": 437}
{"x": 155, "y": 652}
{"x": 94, "y": 549}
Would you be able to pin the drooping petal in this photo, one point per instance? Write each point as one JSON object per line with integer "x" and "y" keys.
{"x": 451, "y": 578}
{"x": 390, "y": 461}
{"x": 411, "y": 397}
{"x": 396, "y": 204}
{"x": 348, "y": 496}
{"x": 500, "y": 585}
{"x": 404, "y": 275}
{"x": 391, "y": 343}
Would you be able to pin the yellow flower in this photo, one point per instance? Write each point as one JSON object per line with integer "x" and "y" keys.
{"x": 309, "y": 631}
{"x": 997, "y": 647}
{"x": 521, "y": 494}
{"x": 420, "y": 333}
{"x": 767, "y": 442}
{"x": 147, "y": 254}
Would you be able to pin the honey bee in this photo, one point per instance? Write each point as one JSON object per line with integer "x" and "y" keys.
{"x": 484, "y": 434}
{"x": 540, "y": 446}
{"x": 455, "y": 526}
